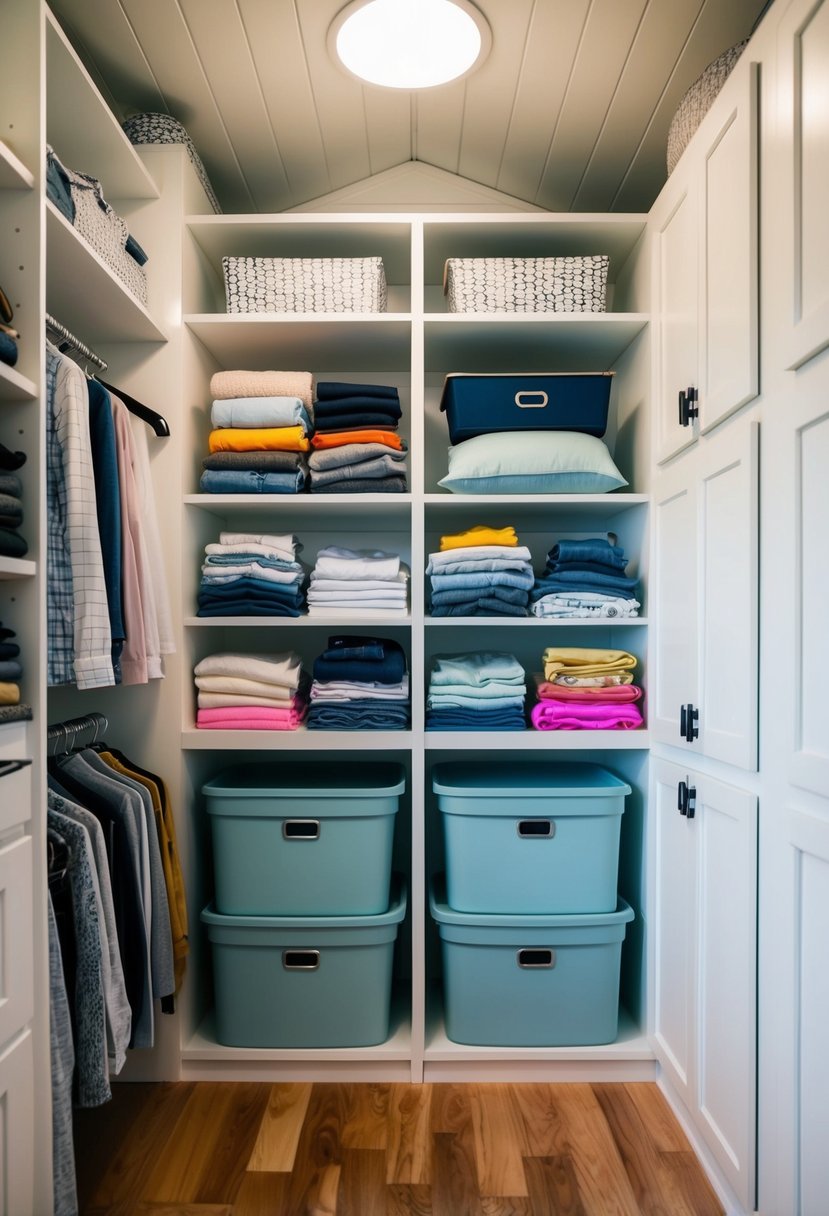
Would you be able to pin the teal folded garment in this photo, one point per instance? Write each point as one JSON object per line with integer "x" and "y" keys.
{"x": 477, "y": 669}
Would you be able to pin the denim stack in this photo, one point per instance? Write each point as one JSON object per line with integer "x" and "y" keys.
{"x": 12, "y": 544}
{"x": 585, "y": 578}
{"x": 11, "y": 672}
{"x": 480, "y": 572}
{"x": 261, "y": 423}
{"x": 476, "y": 692}
{"x": 356, "y": 446}
{"x": 246, "y": 574}
{"x": 360, "y": 683}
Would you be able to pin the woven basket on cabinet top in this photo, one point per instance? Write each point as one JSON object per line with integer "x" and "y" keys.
{"x": 698, "y": 101}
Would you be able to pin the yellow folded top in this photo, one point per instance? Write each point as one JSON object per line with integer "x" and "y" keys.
{"x": 479, "y": 535}
{"x": 259, "y": 439}
{"x": 586, "y": 661}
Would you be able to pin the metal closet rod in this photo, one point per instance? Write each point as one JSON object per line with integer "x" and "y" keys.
{"x": 80, "y": 347}
{"x": 63, "y": 736}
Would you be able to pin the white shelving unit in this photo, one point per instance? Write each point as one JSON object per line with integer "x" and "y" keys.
{"x": 15, "y": 387}
{"x": 413, "y": 346}
{"x": 14, "y": 175}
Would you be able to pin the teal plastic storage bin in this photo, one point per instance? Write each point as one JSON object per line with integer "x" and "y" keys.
{"x": 303, "y": 981}
{"x": 303, "y": 839}
{"x": 530, "y": 838}
{"x": 530, "y": 981}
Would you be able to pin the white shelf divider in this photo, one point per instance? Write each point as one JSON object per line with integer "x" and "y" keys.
{"x": 14, "y": 386}
{"x": 14, "y": 175}
{"x": 17, "y": 567}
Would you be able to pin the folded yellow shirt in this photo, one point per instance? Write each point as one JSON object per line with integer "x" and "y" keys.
{"x": 9, "y": 693}
{"x": 259, "y": 439}
{"x": 586, "y": 661}
{"x": 479, "y": 535}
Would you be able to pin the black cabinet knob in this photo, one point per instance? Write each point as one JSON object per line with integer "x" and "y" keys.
{"x": 688, "y": 408}
{"x": 688, "y": 719}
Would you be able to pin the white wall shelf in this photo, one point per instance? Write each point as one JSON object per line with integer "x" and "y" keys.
{"x": 302, "y": 740}
{"x": 528, "y": 342}
{"x": 17, "y": 567}
{"x": 14, "y": 175}
{"x": 537, "y": 740}
{"x": 631, "y": 1044}
{"x": 14, "y": 386}
{"x": 81, "y": 127}
{"x": 88, "y": 297}
{"x": 366, "y": 619}
{"x": 534, "y": 622}
{"x": 259, "y": 341}
{"x": 585, "y": 504}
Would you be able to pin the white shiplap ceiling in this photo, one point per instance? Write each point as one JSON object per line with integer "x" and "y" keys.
{"x": 570, "y": 112}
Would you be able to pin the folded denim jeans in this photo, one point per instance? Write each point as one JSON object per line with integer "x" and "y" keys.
{"x": 596, "y": 549}
{"x": 249, "y": 481}
{"x": 520, "y": 579}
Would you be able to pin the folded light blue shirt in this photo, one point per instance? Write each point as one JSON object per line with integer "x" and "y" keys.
{"x": 259, "y": 411}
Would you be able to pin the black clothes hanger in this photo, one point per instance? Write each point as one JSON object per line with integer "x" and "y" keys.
{"x": 157, "y": 421}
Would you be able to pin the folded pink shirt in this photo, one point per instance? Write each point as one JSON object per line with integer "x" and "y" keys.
{"x": 251, "y": 717}
{"x": 614, "y": 694}
{"x": 568, "y": 715}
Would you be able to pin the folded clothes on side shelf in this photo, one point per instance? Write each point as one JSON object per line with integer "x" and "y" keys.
{"x": 484, "y": 691}
{"x": 12, "y": 544}
{"x": 250, "y": 692}
{"x": 585, "y": 578}
{"x": 360, "y": 683}
{"x": 356, "y": 446}
{"x": 353, "y": 581}
{"x": 257, "y": 416}
{"x": 587, "y": 688}
{"x": 247, "y": 574}
{"x": 11, "y": 669}
{"x": 480, "y": 572}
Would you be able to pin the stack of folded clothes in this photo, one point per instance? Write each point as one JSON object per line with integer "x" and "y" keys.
{"x": 476, "y": 692}
{"x": 360, "y": 683}
{"x": 12, "y": 543}
{"x": 246, "y": 574}
{"x": 9, "y": 337}
{"x": 356, "y": 446}
{"x": 11, "y": 671}
{"x": 250, "y": 692}
{"x": 585, "y": 688}
{"x": 585, "y": 578}
{"x": 480, "y": 572}
{"x": 261, "y": 423}
{"x": 352, "y": 582}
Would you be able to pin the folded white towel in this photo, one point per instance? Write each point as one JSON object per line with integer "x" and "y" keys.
{"x": 335, "y": 562}
{"x": 282, "y": 668}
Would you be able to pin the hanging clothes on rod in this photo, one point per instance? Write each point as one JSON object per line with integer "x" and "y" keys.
{"x": 152, "y": 417}
{"x": 118, "y": 917}
{"x": 108, "y": 605}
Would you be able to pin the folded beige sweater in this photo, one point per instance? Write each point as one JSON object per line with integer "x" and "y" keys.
{"x": 224, "y": 385}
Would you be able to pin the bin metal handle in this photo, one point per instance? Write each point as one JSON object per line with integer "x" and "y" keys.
{"x": 535, "y": 399}
{"x": 301, "y": 960}
{"x": 301, "y": 829}
{"x": 536, "y": 829}
{"x": 534, "y": 958}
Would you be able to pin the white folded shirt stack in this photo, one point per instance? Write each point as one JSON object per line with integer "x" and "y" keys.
{"x": 351, "y": 582}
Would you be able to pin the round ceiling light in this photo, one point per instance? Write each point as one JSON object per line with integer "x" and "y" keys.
{"x": 409, "y": 44}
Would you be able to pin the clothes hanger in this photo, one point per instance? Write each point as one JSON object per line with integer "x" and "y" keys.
{"x": 157, "y": 421}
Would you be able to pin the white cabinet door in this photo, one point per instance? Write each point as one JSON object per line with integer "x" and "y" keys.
{"x": 16, "y": 937}
{"x": 673, "y": 596}
{"x": 704, "y": 959}
{"x": 803, "y": 70}
{"x": 17, "y": 1131}
{"x": 725, "y": 825}
{"x": 728, "y": 537}
{"x": 677, "y": 288}
{"x": 673, "y": 918}
{"x": 729, "y": 374}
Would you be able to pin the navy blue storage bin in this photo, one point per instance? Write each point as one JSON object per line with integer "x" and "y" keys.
{"x": 544, "y": 401}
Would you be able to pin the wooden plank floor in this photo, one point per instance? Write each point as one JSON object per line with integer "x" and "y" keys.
{"x": 296, "y": 1149}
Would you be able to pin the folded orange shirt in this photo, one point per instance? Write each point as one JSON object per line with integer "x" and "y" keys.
{"x": 336, "y": 439}
{"x": 259, "y": 439}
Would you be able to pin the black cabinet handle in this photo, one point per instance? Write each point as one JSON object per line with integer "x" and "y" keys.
{"x": 692, "y": 801}
{"x": 686, "y": 800}
{"x": 688, "y": 719}
{"x": 688, "y": 408}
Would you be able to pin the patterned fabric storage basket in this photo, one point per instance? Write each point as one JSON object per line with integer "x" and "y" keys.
{"x": 698, "y": 101}
{"x": 567, "y": 284}
{"x": 304, "y": 284}
{"x": 152, "y": 128}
